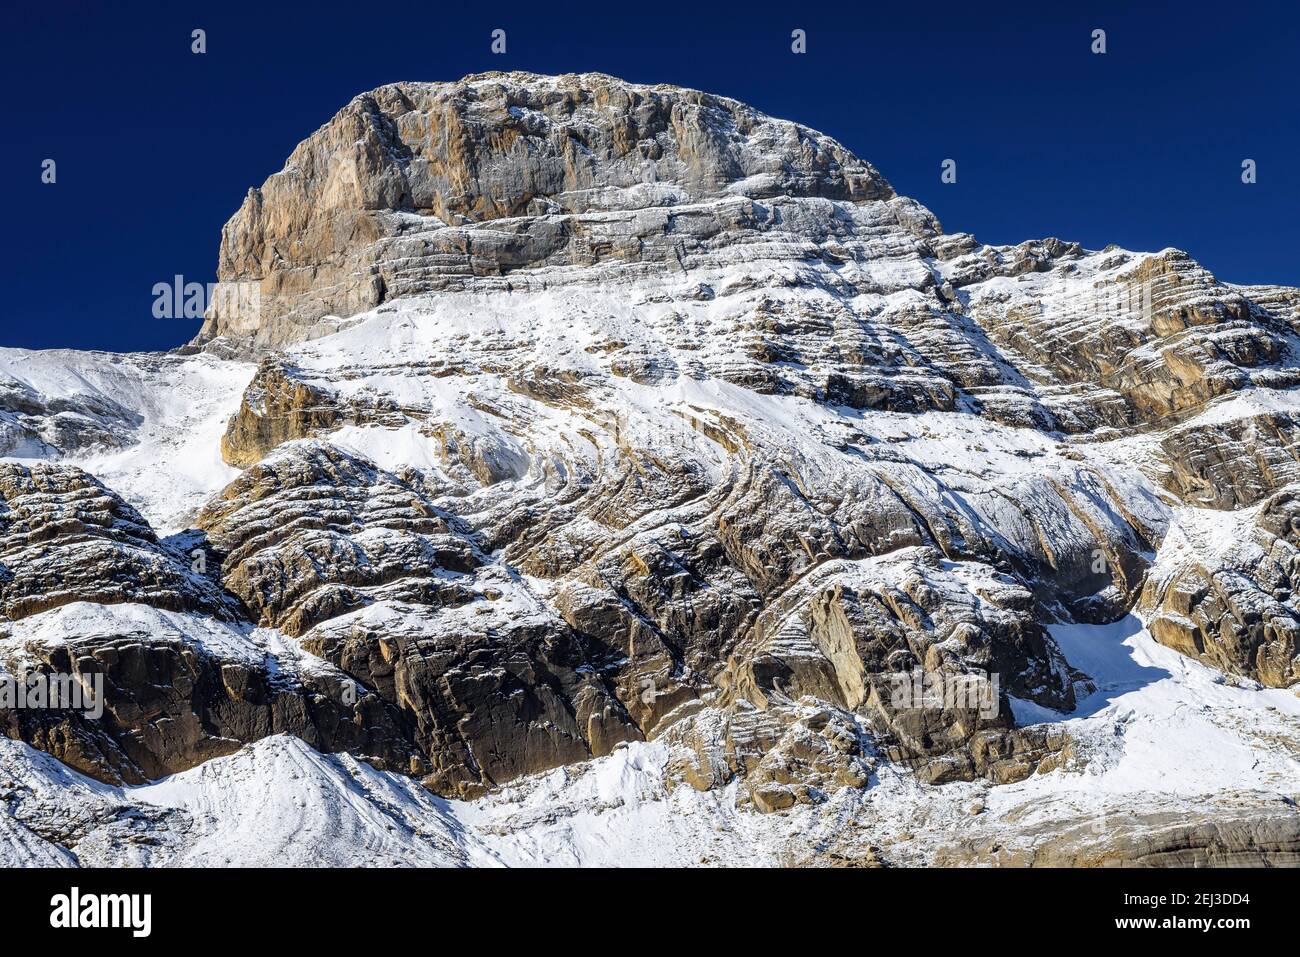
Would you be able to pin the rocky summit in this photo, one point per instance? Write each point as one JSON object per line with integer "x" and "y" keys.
{"x": 596, "y": 452}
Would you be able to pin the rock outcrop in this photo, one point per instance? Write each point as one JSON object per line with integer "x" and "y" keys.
{"x": 1246, "y": 833}
{"x": 64, "y": 537}
{"x": 1230, "y": 600}
{"x": 501, "y": 172}
{"x": 170, "y": 703}
{"x": 393, "y": 589}
{"x": 92, "y": 596}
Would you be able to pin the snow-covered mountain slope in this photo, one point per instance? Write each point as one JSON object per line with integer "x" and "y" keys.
{"x": 1164, "y": 735}
{"x": 279, "y": 803}
{"x": 147, "y": 425}
{"x": 647, "y": 479}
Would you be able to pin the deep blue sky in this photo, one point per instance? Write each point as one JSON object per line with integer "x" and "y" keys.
{"x": 156, "y": 147}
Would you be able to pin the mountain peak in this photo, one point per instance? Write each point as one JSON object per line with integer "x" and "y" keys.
{"x": 541, "y": 158}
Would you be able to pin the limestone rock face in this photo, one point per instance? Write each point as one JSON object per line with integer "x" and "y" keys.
{"x": 667, "y": 375}
{"x": 64, "y": 537}
{"x": 1245, "y": 835}
{"x": 91, "y": 595}
{"x": 1227, "y": 465}
{"x": 519, "y": 183}
{"x": 572, "y": 417}
{"x": 492, "y": 694}
{"x": 1159, "y": 330}
{"x": 798, "y": 752}
{"x": 502, "y": 171}
{"x": 1231, "y": 599}
{"x": 171, "y": 704}
{"x": 275, "y": 409}
{"x": 380, "y": 581}
{"x": 910, "y": 648}
{"x": 314, "y": 532}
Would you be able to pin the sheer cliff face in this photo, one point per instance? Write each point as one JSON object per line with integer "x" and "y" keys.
{"x": 577, "y": 413}
{"x": 431, "y": 186}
